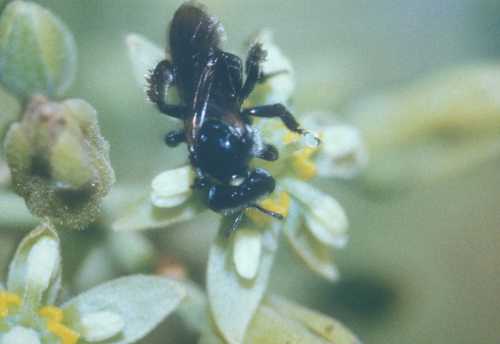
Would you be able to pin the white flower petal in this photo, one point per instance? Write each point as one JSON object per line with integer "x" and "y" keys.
{"x": 95, "y": 327}
{"x": 21, "y": 335}
{"x": 247, "y": 250}
{"x": 172, "y": 188}
{"x": 42, "y": 262}
{"x": 35, "y": 270}
{"x": 325, "y": 217}
{"x": 315, "y": 255}
{"x": 342, "y": 153}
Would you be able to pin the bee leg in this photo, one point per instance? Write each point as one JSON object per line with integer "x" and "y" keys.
{"x": 175, "y": 137}
{"x": 255, "y": 57}
{"x": 273, "y": 111}
{"x": 268, "y": 153}
{"x": 267, "y": 212}
{"x": 234, "y": 69}
{"x": 161, "y": 78}
{"x": 235, "y": 223}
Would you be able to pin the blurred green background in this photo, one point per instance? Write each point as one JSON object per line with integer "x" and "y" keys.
{"x": 422, "y": 266}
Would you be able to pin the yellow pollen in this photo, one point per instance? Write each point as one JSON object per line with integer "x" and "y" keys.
{"x": 55, "y": 316}
{"x": 279, "y": 205}
{"x": 65, "y": 334}
{"x": 52, "y": 313}
{"x": 290, "y": 137}
{"x": 6, "y": 301}
{"x": 302, "y": 164}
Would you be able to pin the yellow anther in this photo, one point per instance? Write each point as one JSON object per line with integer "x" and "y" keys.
{"x": 52, "y": 313}
{"x": 290, "y": 137}
{"x": 4, "y": 311}
{"x": 7, "y": 300}
{"x": 65, "y": 334}
{"x": 55, "y": 316}
{"x": 10, "y": 299}
{"x": 279, "y": 205}
{"x": 302, "y": 164}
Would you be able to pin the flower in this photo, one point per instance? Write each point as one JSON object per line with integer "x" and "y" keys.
{"x": 37, "y": 51}
{"x": 109, "y": 313}
{"x": 59, "y": 161}
{"x": 276, "y": 320}
{"x": 315, "y": 223}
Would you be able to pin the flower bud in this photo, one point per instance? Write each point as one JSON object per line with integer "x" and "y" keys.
{"x": 37, "y": 51}
{"x": 278, "y": 71}
{"x": 59, "y": 161}
{"x": 10, "y": 110}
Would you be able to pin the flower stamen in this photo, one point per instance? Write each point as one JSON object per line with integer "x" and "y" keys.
{"x": 6, "y": 301}
{"x": 55, "y": 316}
{"x": 279, "y": 205}
{"x": 302, "y": 164}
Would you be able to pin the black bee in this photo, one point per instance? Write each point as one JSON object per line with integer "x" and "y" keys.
{"x": 217, "y": 131}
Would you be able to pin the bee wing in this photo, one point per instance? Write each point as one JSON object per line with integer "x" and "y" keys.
{"x": 193, "y": 29}
{"x": 202, "y": 95}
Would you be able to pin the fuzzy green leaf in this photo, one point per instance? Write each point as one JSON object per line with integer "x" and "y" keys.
{"x": 129, "y": 297}
{"x": 234, "y": 300}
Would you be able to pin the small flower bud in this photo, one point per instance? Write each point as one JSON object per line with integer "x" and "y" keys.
{"x": 59, "y": 161}
{"x": 37, "y": 51}
{"x": 10, "y": 111}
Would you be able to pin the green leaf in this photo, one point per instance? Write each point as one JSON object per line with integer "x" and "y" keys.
{"x": 271, "y": 327}
{"x": 144, "y": 215}
{"x": 431, "y": 129}
{"x": 234, "y": 300}
{"x": 317, "y": 323}
{"x": 37, "y": 51}
{"x": 35, "y": 270}
{"x": 14, "y": 213}
{"x": 131, "y": 251}
{"x": 97, "y": 267}
{"x": 141, "y": 301}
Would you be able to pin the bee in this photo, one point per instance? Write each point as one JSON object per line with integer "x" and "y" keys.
{"x": 218, "y": 132}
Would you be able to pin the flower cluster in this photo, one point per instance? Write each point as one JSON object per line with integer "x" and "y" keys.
{"x": 58, "y": 159}
{"x": 315, "y": 223}
{"x": 109, "y": 313}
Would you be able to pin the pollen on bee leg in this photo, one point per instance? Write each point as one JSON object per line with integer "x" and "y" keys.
{"x": 302, "y": 164}
{"x": 278, "y": 204}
